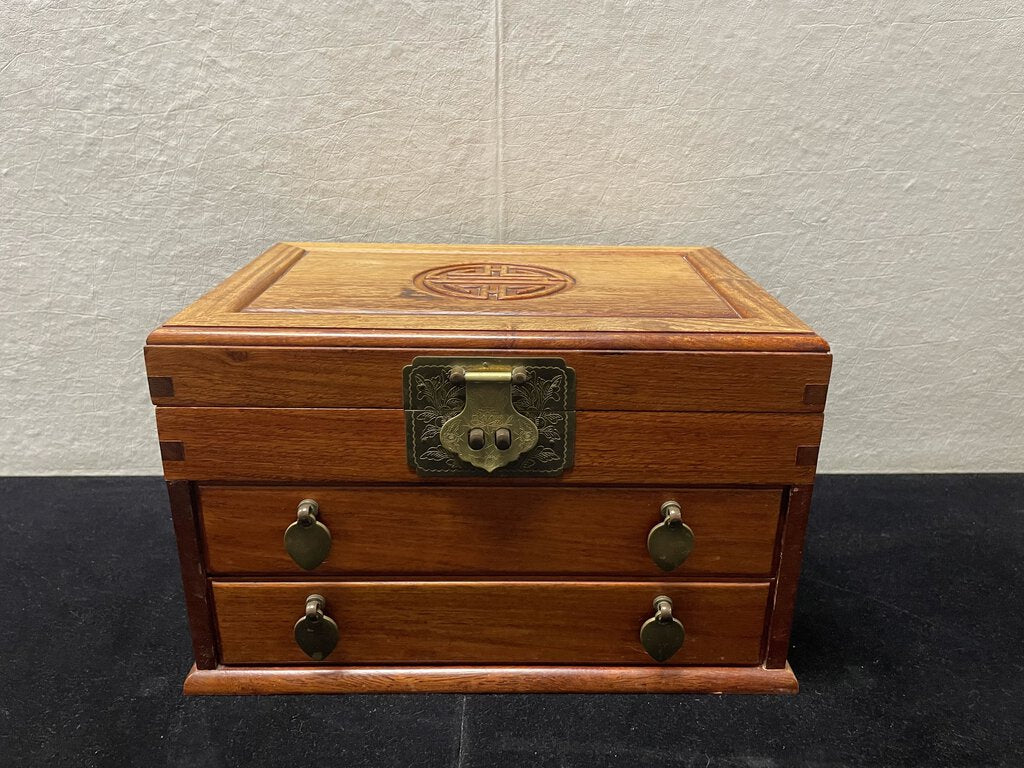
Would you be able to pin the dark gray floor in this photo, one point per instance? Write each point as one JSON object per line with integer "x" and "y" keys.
{"x": 908, "y": 644}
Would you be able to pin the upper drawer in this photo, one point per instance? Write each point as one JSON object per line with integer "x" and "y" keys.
{"x": 369, "y": 445}
{"x": 489, "y": 531}
{"x": 293, "y": 377}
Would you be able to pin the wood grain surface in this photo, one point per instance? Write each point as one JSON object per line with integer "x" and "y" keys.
{"x": 578, "y": 287}
{"x": 498, "y": 530}
{"x": 233, "y": 681}
{"x": 280, "y": 377}
{"x": 367, "y": 445}
{"x": 490, "y": 622}
{"x": 375, "y": 286}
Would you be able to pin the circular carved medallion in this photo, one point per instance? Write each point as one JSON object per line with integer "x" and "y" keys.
{"x": 493, "y": 282}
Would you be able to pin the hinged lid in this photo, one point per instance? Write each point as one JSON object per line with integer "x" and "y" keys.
{"x": 342, "y": 294}
{"x": 298, "y": 368}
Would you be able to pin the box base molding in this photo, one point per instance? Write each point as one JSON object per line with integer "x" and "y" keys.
{"x": 234, "y": 681}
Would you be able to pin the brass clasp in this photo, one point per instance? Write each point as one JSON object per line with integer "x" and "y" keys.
{"x": 488, "y": 432}
{"x": 511, "y": 416}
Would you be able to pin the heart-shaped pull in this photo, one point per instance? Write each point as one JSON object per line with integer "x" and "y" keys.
{"x": 671, "y": 541}
{"x": 316, "y": 633}
{"x": 307, "y": 541}
{"x": 662, "y": 635}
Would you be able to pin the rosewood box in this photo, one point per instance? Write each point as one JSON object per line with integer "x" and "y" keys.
{"x": 488, "y": 468}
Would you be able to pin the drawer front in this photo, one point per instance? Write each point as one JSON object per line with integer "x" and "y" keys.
{"x": 490, "y": 622}
{"x": 367, "y": 445}
{"x": 489, "y": 531}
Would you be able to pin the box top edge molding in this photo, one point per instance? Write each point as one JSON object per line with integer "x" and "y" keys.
{"x": 491, "y": 296}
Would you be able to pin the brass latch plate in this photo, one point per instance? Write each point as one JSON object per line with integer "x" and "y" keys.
{"x": 490, "y": 416}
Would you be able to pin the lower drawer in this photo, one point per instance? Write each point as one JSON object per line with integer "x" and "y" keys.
{"x": 490, "y": 622}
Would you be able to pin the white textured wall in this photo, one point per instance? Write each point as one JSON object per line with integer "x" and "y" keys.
{"x": 862, "y": 159}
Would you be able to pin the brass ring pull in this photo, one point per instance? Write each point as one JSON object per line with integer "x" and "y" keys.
{"x": 307, "y": 541}
{"x": 662, "y": 609}
{"x": 316, "y": 633}
{"x": 314, "y": 608}
{"x": 662, "y": 634}
{"x": 671, "y": 541}
{"x": 307, "y": 512}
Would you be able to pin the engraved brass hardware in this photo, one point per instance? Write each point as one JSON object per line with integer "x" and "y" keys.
{"x": 662, "y": 634}
{"x": 489, "y": 416}
{"x": 316, "y": 633}
{"x": 307, "y": 541}
{"x": 671, "y": 541}
{"x": 488, "y": 408}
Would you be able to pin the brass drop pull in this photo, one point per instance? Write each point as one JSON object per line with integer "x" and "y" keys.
{"x": 307, "y": 541}
{"x": 662, "y": 634}
{"x": 316, "y": 633}
{"x": 670, "y": 542}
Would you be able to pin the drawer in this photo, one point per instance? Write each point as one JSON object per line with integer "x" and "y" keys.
{"x": 489, "y": 531}
{"x": 369, "y": 446}
{"x": 490, "y": 622}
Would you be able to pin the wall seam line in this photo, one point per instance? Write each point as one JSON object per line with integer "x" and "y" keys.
{"x": 499, "y": 138}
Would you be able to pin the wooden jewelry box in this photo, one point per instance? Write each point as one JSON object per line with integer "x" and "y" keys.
{"x": 488, "y": 468}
